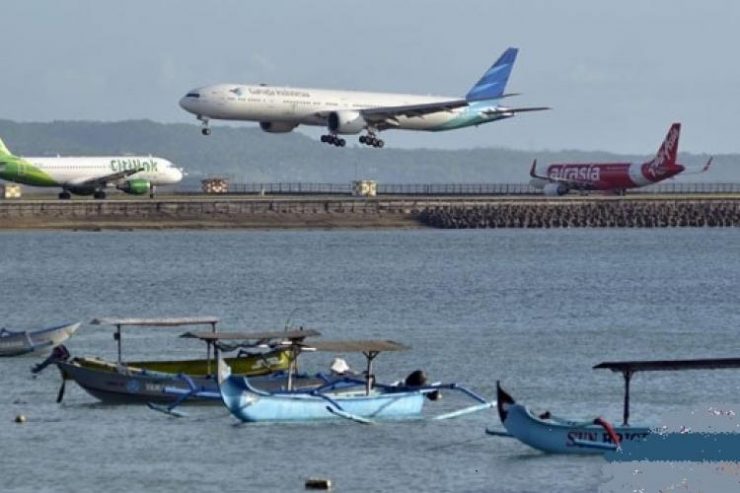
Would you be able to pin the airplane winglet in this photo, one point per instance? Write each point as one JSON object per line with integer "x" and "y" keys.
{"x": 706, "y": 166}
{"x": 532, "y": 172}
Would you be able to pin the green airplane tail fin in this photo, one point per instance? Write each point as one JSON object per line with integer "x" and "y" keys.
{"x": 3, "y": 150}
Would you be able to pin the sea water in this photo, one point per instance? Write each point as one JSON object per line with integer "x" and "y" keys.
{"x": 534, "y": 309}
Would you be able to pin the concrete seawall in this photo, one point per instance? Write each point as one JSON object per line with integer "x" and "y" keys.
{"x": 207, "y": 212}
{"x": 618, "y": 213}
{"x": 392, "y": 212}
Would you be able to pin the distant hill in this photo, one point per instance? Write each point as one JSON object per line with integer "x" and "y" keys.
{"x": 246, "y": 154}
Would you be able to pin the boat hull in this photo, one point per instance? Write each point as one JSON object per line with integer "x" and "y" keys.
{"x": 248, "y": 365}
{"x": 564, "y": 437}
{"x": 25, "y": 342}
{"x": 125, "y": 384}
{"x": 250, "y": 405}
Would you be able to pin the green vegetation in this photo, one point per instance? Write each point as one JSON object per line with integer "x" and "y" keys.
{"x": 246, "y": 154}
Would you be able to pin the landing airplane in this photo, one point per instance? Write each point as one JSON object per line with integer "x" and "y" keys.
{"x": 559, "y": 179}
{"x": 282, "y": 109}
{"x": 136, "y": 175}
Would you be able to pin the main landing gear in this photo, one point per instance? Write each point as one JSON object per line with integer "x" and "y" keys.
{"x": 333, "y": 139}
{"x": 99, "y": 194}
{"x": 371, "y": 140}
{"x": 65, "y": 195}
{"x": 206, "y": 130}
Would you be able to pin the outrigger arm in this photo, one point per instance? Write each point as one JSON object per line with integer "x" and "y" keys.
{"x": 482, "y": 406}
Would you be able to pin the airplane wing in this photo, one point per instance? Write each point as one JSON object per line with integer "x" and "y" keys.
{"x": 102, "y": 181}
{"x": 387, "y": 116}
{"x": 383, "y": 113}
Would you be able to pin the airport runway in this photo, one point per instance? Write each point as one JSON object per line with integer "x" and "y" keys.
{"x": 253, "y": 211}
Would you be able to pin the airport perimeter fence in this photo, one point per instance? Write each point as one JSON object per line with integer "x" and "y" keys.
{"x": 384, "y": 189}
{"x": 454, "y": 189}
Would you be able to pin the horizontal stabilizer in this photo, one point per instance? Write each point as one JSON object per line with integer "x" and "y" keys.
{"x": 512, "y": 111}
{"x": 531, "y": 108}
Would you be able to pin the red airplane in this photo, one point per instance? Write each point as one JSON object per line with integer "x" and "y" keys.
{"x": 613, "y": 177}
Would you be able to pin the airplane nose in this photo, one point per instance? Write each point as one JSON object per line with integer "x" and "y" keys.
{"x": 189, "y": 102}
{"x": 185, "y": 103}
{"x": 176, "y": 175}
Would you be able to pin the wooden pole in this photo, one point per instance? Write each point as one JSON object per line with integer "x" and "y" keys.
{"x": 627, "y": 376}
{"x": 118, "y": 339}
{"x": 208, "y": 352}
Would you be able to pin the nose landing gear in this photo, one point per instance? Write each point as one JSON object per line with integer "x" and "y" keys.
{"x": 371, "y": 140}
{"x": 206, "y": 130}
{"x": 333, "y": 139}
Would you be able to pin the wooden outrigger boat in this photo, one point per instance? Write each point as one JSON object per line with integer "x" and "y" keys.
{"x": 556, "y": 435}
{"x": 283, "y": 341}
{"x": 144, "y": 381}
{"x": 357, "y": 398}
{"x": 15, "y": 343}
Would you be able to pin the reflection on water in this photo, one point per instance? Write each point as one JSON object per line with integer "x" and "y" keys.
{"x": 536, "y": 309}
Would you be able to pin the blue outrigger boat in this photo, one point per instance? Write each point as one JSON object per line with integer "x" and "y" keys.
{"x": 183, "y": 388}
{"x": 556, "y": 435}
{"x": 356, "y": 398}
{"x": 552, "y": 434}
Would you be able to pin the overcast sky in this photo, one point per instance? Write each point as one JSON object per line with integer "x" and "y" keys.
{"x": 616, "y": 73}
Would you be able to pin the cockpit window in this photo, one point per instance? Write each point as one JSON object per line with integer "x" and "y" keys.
{"x": 192, "y": 95}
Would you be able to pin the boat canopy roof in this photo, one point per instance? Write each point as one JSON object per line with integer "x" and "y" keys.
{"x": 156, "y": 322}
{"x": 670, "y": 365}
{"x": 369, "y": 346}
{"x": 248, "y": 336}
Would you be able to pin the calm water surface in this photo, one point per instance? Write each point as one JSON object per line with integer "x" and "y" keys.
{"x": 536, "y": 309}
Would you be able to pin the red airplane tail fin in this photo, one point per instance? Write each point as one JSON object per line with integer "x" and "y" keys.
{"x": 666, "y": 157}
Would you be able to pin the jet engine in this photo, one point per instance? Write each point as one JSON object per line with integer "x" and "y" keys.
{"x": 346, "y": 122}
{"x": 554, "y": 189}
{"x": 277, "y": 127}
{"x": 136, "y": 186}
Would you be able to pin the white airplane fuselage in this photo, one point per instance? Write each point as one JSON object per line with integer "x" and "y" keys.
{"x": 299, "y": 106}
{"x": 70, "y": 170}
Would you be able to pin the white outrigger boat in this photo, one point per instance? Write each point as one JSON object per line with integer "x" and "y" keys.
{"x": 356, "y": 398}
{"x": 14, "y": 343}
{"x": 552, "y": 434}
